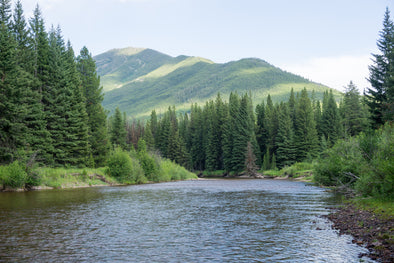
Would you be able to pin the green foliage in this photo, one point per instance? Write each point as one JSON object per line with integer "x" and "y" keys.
{"x": 123, "y": 168}
{"x": 71, "y": 177}
{"x": 380, "y": 97}
{"x": 139, "y": 88}
{"x": 147, "y": 162}
{"x": 364, "y": 163}
{"x": 172, "y": 171}
{"x": 13, "y": 175}
{"x": 297, "y": 169}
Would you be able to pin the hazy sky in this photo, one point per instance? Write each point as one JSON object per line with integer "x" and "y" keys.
{"x": 327, "y": 41}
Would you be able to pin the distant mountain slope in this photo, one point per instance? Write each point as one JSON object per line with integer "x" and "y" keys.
{"x": 140, "y": 80}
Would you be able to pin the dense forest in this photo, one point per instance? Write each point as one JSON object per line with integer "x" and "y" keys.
{"x": 50, "y": 100}
{"x": 52, "y": 114}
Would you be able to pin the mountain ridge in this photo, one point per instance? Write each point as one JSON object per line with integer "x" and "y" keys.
{"x": 138, "y": 80}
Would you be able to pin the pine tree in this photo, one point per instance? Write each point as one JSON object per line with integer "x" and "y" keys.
{"x": 242, "y": 134}
{"x": 266, "y": 160}
{"x": 354, "y": 116}
{"x": 197, "y": 134}
{"x": 285, "y": 137}
{"x": 306, "y": 140}
{"x": 378, "y": 96}
{"x": 118, "y": 131}
{"x": 148, "y": 137}
{"x": 229, "y": 130}
{"x": 11, "y": 126}
{"x": 271, "y": 122}
{"x": 97, "y": 118}
{"x": 210, "y": 150}
{"x": 330, "y": 120}
{"x": 261, "y": 129}
{"x": 78, "y": 119}
{"x": 39, "y": 68}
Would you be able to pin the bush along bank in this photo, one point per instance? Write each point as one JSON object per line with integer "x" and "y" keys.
{"x": 362, "y": 168}
{"x": 123, "y": 168}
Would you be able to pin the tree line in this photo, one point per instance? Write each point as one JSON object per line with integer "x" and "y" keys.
{"x": 216, "y": 136}
{"x": 50, "y": 99}
{"x": 50, "y": 105}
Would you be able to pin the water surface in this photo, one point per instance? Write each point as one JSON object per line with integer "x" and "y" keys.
{"x": 189, "y": 221}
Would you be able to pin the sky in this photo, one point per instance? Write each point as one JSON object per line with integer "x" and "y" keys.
{"x": 328, "y": 42}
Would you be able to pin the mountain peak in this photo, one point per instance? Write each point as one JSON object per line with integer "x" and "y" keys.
{"x": 140, "y": 80}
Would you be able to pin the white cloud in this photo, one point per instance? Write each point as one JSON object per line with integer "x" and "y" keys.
{"x": 335, "y": 72}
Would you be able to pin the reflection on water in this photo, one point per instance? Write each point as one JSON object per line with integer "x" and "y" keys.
{"x": 191, "y": 221}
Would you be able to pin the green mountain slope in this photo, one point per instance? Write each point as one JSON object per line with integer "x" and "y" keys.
{"x": 140, "y": 80}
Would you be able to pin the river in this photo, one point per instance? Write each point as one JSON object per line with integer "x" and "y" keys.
{"x": 187, "y": 221}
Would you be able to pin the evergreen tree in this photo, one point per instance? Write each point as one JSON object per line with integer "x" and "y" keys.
{"x": 354, "y": 116}
{"x": 210, "y": 150}
{"x": 11, "y": 126}
{"x": 5, "y": 14}
{"x": 378, "y": 96}
{"x": 285, "y": 137}
{"x": 21, "y": 34}
{"x": 242, "y": 134}
{"x": 97, "y": 118}
{"x": 306, "y": 140}
{"x": 261, "y": 129}
{"x": 197, "y": 134}
{"x": 330, "y": 122}
{"x": 292, "y": 106}
{"x": 229, "y": 132}
{"x": 271, "y": 122}
{"x": 118, "y": 131}
{"x": 78, "y": 119}
{"x": 266, "y": 160}
{"x": 148, "y": 137}
{"x": 318, "y": 113}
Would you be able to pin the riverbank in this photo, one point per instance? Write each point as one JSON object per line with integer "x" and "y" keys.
{"x": 371, "y": 226}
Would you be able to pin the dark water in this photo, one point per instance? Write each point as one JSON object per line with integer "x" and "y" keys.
{"x": 191, "y": 221}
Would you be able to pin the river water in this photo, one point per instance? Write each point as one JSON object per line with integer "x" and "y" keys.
{"x": 187, "y": 221}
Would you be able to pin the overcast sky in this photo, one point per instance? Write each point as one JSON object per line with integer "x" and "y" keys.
{"x": 327, "y": 41}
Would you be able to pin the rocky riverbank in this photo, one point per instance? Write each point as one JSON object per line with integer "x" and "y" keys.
{"x": 375, "y": 232}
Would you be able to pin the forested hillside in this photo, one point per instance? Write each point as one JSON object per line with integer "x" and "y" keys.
{"x": 140, "y": 80}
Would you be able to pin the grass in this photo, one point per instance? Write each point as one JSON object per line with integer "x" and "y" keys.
{"x": 71, "y": 177}
{"x": 380, "y": 207}
{"x": 298, "y": 170}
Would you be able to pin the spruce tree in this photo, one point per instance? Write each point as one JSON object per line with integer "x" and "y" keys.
{"x": 229, "y": 132}
{"x": 97, "y": 118}
{"x": 11, "y": 125}
{"x": 354, "y": 116}
{"x": 78, "y": 119}
{"x": 261, "y": 129}
{"x": 330, "y": 120}
{"x": 306, "y": 140}
{"x": 285, "y": 138}
{"x": 378, "y": 96}
{"x": 197, "y": 150}
{"x": 118, "y": 131}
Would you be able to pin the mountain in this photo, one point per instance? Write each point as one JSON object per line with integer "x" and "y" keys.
{"x": 139, "y": 80}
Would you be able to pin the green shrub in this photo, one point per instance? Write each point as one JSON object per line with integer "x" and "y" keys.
{"x": 172, "y": 171}
{"x": 13, "y": 175}
{"x": 341, "y": 164}
{"x": 365, "y": 163}
{"x": 378, "y": 150}
{"x": 122, "y": 167}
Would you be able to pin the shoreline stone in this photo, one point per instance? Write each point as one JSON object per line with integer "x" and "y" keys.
{"x": 368, "y": 229}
